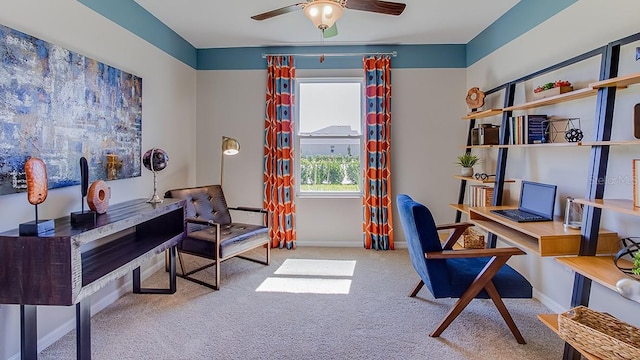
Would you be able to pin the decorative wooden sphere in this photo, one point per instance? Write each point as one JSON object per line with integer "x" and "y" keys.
{"x": 475, "y": 98}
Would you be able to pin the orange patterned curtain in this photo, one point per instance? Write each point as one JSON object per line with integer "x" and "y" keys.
{"x": 278, "y": 151}
{"x": 377, "y": 226}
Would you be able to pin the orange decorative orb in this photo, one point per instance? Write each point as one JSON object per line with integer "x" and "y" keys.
{"x": 98, "y": 196}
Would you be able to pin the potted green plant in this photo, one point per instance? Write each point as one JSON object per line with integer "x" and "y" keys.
{"x": 467, "y": 160}
{"x": 636, "y": 263}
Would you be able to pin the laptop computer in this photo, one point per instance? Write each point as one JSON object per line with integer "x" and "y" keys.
{"x": 537, "y": 202}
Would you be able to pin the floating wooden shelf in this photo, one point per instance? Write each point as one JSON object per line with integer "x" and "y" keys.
{"x": 600, "y": 269}
{"x": 482, "y": 114}
{"x": 544, "y": 238}
{"x": 620, "y": 205}
{"x": 551, "y": 321}
{"x": 491, "y": 180}
{"x": 569, "y": 96}
{"x": 620, "y": 81}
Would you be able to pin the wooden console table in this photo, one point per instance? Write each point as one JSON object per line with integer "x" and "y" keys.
{"x": 66, "y": 265}
{"x": 544, "y": 238}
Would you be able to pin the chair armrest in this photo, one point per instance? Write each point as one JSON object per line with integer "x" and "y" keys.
{"x": 247, "y": 208}
{"x": 453, "y": 225}
{"x": 474, "y": 253}
{"x": 459, "y": 228}
{"x": 201, "y": 222}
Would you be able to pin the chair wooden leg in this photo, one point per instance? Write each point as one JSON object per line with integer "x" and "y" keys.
{"x": 497, "y": 300}
{"x": 476, "y": 286}
{"x": 417, "y": 288}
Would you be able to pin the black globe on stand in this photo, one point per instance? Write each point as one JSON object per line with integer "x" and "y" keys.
{"x": 155, "y": 160}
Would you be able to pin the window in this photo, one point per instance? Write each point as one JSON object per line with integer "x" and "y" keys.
{"x": 329, "y": 137}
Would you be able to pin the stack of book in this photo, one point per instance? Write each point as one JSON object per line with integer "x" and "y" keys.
{"x": 528, "y": 129}
{"x": 480, "y": 195}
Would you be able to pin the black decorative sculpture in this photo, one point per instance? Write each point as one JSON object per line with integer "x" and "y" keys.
{"x": 82, "y": 216}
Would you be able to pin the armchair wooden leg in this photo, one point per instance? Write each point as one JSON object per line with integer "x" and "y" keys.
{"x": 478, "y": 284}
{"x": 416, "y": 289}
{"x": 497, "y": 300}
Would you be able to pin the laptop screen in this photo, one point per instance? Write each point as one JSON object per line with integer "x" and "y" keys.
{"x": 538, "y": 198}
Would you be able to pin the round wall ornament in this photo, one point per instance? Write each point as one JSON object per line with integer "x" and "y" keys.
{"x": 475, "y": 98}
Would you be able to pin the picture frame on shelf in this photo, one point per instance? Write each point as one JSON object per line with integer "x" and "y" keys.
{"x": 636, "y": 178}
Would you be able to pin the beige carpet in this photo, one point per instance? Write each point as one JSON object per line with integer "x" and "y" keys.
{"x": 375, "y": 319}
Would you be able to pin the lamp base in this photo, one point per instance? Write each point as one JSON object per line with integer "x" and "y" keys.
{"x": 80, "y": 217}
{"x": 35, "y": 228}
{"x": 155, "y": 199}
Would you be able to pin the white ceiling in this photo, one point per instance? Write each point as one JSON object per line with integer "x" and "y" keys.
{"x": 228, "y": 23}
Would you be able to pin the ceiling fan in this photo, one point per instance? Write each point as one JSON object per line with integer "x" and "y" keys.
{"x": 324, "y": 13}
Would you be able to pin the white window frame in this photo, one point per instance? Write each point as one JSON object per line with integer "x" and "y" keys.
{"x": 330, "y": 194}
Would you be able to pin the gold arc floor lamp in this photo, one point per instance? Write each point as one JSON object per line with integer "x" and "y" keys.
{"x": 230, "y": 146}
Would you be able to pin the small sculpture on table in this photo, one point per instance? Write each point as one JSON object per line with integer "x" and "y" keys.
{"x": 37, "y": 190}
{"x": 155, "y": 160}
{"x": 83, "y": 216}
{"x": 98, "y": 197}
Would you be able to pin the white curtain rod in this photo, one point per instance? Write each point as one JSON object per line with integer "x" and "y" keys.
{"x": 392, "y": 53}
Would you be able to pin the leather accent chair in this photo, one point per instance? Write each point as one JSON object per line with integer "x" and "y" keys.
{"x": 463, "y": 274}
{"x": 212, "y": 234}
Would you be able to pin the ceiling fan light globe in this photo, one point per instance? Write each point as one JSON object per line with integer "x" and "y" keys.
{"x": 323, "y": 13}
{"x": 328, "y": 11}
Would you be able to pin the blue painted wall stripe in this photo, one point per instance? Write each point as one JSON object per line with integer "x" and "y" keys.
{"x": 133, "y": 17}
{"x": 521, "y": 18}
{"x": 408, "y": 56}
{"x": 518, "y": 20}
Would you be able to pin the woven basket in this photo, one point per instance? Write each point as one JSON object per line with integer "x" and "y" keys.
{"x": 599, "y": 334}
{"x": 471, "y": 239}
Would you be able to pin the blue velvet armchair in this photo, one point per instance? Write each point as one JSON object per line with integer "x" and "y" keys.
{"x": 463, "y": 274}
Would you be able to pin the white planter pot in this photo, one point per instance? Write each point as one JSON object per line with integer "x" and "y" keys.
{"x": 466, "y": 171}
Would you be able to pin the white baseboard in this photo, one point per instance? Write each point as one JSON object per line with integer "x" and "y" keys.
{"x": 324, "y": 243}
{"x": 338, "y": 244}
{"x": 97, "y": 305}
{"x": 548, "y": 302}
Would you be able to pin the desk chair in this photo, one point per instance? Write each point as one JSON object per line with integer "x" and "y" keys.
{"x": 463, "y": 274}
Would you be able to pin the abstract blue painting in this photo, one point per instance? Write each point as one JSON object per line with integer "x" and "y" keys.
{"x": 59, "y": 106}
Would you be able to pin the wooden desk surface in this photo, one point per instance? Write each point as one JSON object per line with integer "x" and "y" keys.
{"x": 545, "y": 238}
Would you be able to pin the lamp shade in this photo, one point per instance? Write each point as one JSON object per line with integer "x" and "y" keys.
{"x": 230, "y": 146}
{"x": 323, "y": 13}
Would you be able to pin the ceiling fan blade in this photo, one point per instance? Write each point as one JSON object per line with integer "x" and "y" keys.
{"x": 330, "y": 32}
{"x": 276, "y": 12}
{"x": 382, "y": 7}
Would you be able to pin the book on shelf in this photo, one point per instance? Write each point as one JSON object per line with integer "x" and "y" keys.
{"x": 536, "y": 132}
{"x": 480, "y": 195}
{"x": 527, "y": 129}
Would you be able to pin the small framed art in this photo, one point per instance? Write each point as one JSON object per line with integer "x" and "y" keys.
{"x": 636, "y": 179}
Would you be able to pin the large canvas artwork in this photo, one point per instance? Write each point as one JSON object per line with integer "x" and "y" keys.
{"x": 58, "y": 105}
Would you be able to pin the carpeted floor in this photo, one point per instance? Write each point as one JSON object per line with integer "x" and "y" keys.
{"x": 374, "y": 320}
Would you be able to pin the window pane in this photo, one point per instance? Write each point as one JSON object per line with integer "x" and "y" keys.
{"x": 330, "y": 164}
{"x": 329, "y": 136}
{"x": 330, "y": 106}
